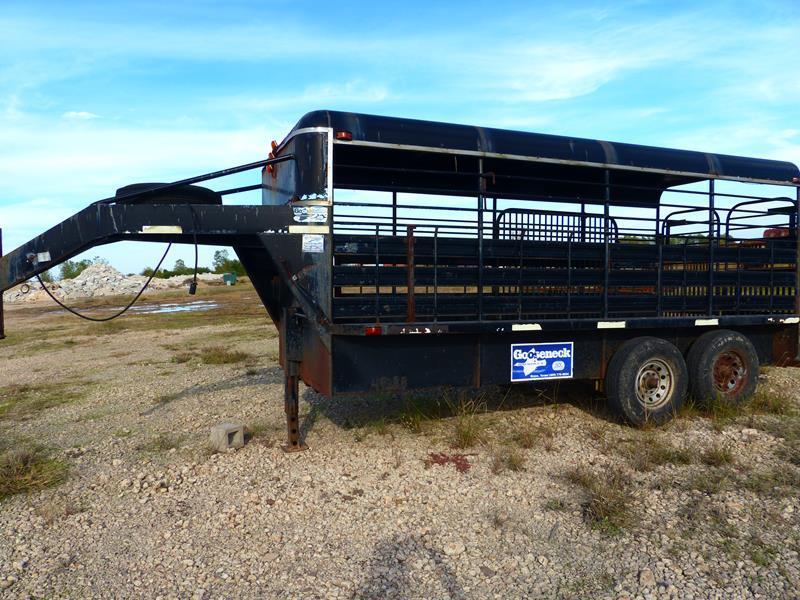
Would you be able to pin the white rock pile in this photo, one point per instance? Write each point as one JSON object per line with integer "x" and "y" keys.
{"x": 97, "y": 280}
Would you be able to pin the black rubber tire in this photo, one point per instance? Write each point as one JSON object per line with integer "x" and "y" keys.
{"x": 729, "y": 352}
{"x": 625, "y": 369}
{"x": 184, "y": 194}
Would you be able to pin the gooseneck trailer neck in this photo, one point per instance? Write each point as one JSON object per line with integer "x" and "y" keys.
{"x": 399, "y": 254}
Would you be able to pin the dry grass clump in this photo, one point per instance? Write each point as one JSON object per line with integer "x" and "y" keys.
{"x": 219, "y": 355}
{"x": 162, "y": 442}
{"x": 609, "y": 506}
{"x": 716, "y": 456}
{"x": 507, "y": 459}
{"x": 468, "y": 429}
{"x": 21, "y": 402}
{"x": 528, "y": 436}
{"x": 28, "y": 468}
{"x": 649, "y": 451}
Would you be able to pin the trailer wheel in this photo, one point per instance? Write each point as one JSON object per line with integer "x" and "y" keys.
{"x": 723, "y": 365}
{"x": 646, "y": 380}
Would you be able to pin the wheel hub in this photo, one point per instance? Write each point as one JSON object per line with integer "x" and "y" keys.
{"x": 654, "y": 384}
{"x": 730, "y": 373}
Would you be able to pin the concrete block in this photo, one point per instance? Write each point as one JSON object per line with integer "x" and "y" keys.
{"x": 227, "y": 435}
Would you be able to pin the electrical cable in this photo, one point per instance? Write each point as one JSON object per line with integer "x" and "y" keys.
{"x": 121, "y": 312}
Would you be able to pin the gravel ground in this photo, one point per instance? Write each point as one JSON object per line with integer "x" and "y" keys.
{"x": 369, "y": 512}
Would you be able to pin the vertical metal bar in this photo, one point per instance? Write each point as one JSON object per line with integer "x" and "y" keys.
{"x": 569, "y": 276}
{"x": 685, "y": 281}
{"x": 481, "y": 201}
{"x": 659, "y": 277}
{"x": 796, "y": 233}
{"x": 394, "y": 213}
{"x": 411, "y": 308}
{"x": 435, "y": 273}
{"x": 377, "y": 276}
{"x": 607, "y": 258}
{"x": 711, "y": 236}
{"x": 519, "y": 279}
{"x": 494, "y": 214}
{"x": 583, "y": 221}
{"x": 739, "y": 278}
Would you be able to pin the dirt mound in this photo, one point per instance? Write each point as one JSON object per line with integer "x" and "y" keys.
{"x": 98, "y": 280}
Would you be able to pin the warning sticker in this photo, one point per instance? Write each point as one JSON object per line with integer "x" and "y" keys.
{"x": 310, "y": 214}
{"x": 313, "y": 243}
{"x": 550, "y": 360}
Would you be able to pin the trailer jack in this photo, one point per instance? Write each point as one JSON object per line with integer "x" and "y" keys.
{"x": 292, "y": 404}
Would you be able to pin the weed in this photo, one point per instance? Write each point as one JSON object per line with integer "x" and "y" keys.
{"x": 528, "y": 436}
{"x": 652, "y": 452}
{"x": 165, "y": 399}
{"x": 765, "y": 401}
{"x": 219, "y": 355}
{"x": 710, "y": 481}
{"x": 507, "y": 459}
{"x": 608, "y": 507}
{"x": 182, "y": 357}
{"x": 717, "y": 456}
{"x": 459, "y": 461}
{"x": 555, "y": 504}
{"x": 58, "y": 509}
{"x": 775, "y": 482}
{"x": 161, "y": 443}
{"x": 468, "y": 429}
{"x": 21, "y": 402}
{"x": 28, "y": 468}
{"x": 123, "y": 433}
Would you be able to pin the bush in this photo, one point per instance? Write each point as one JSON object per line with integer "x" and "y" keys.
{"x": 179, "y": 268}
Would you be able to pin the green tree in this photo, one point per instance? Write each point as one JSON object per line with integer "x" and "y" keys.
{"x": 224, "y": 264}
{"x": 70, "y": 269}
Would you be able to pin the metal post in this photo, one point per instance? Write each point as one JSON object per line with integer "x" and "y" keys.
{"x": 377, "y": 276}
{"x": 394, "y": 213}
{"x": 435, "y": 274}
{"x": 796, "y": 234}
{"x": 711, "y": 214}
{"x": 607, "y": 258}
{"x": 411, "y": 308}
{"x": 481, "y": 200}
{"x": 660, "y": 252}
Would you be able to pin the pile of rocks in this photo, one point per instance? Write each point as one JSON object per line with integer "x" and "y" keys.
{"x": 97, "y": 280}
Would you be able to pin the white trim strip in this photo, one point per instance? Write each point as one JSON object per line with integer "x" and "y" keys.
{"x": 162, "y": 229}
{"x": 611, "y": 324}
{"x": 556, "y": 161}
{"x": 309, "y": 229}
{"x": 526, "y": 327}
{"x": 706, "y": 322}
{"x": 791, "y": 320}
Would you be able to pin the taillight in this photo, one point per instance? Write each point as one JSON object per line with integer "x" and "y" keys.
{"x": 373, "y": 330}
{"x": 344, "y": 136}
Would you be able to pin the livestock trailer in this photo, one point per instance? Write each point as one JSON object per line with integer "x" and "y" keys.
{"x": 395, "y": 254}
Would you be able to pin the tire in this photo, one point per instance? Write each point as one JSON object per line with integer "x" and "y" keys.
{"x": 646, "y": 381}
{"x": 184, "y": 194}
{"x": 723, "y": 365}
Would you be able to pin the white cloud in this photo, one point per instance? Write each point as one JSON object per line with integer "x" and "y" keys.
{"x": 79, "y": 115}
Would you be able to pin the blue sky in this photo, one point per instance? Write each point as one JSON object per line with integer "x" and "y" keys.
{"x": 94, "y": 96}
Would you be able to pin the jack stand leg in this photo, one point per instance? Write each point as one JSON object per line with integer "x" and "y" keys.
{"x": 292, "y": 404}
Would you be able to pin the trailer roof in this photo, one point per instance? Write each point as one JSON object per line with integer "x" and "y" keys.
{"x": 380, "y": 131}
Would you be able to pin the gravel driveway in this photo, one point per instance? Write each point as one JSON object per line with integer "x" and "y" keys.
{"x": 538, "y": 493}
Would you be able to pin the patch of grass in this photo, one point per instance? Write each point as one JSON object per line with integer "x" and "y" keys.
{"x": 774, "y": 482}
{"x": 716, "y": 456}
{"x": 609, "y": 505}
{"x": 219, "y": 355}
{"x": 123, "y": 433}
{"x": 55, "y": 510}
{"x": 21, "y": 402}
{"x": 710, "y": 481}
{"x": 25, "y": 468}
{"x": 107, "y": 328}
{"x": 468, "y": 428}
{"x": 165, "y": 399}
{"x": 162, "y": 442}
{"x": 528, "y": 436}
{"x": 182, "y": 357}
{"x": 507, "y": 459}
{"x": 764, "y": 401}
{"x": 555, "y": 504}
{"x": 650, "y": 451}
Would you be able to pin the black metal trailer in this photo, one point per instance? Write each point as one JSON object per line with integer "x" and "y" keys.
{"x": 396, "y": 254}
